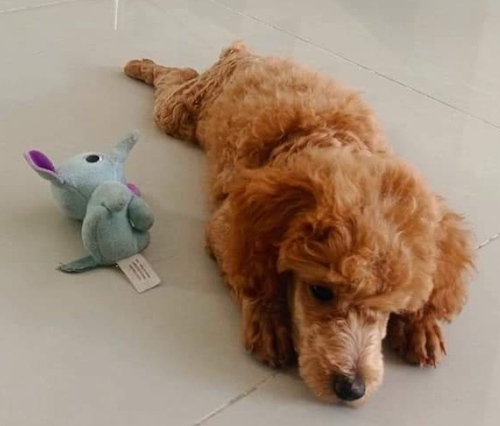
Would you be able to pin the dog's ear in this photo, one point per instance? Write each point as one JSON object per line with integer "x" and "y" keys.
{"x": 455, "y": 258}
{"x": 426, "y": 270}
{"x": 263, "y": 203}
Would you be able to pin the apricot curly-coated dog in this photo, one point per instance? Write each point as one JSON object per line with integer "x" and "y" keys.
{"x": 327, "y": 240}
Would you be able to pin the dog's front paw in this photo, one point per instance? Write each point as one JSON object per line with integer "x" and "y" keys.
{"x": 267, "y": 334}
{"x": 419, "y": 341}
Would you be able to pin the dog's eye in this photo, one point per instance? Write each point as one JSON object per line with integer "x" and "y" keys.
{"x": 321, "y": 293}
{"x": 93, "y": 158}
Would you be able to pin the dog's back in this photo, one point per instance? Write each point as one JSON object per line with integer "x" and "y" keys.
{"x": 271, "y": 105}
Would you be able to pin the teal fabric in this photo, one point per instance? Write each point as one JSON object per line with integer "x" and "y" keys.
{"x": 84, "y": 264}
{"x": 91, "y": 187}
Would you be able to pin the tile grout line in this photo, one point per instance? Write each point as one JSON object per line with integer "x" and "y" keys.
{"x": 488, "y": 241}
{"x": 234, "y": 400}
{"x": 359, "y": 65}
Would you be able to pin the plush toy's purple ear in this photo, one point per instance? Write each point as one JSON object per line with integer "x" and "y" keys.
{"x": 42, "y": 165}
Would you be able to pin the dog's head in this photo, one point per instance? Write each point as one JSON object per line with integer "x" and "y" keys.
{"x": 358, "y": 235}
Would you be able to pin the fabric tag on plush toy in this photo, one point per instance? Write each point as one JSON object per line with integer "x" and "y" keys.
{"x": 139, "y": 272}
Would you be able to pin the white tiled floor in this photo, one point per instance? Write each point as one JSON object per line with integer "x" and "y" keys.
{"x": 88, "y": 350}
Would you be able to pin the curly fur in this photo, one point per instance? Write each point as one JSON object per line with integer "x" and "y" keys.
{"x": 305, "y": 191}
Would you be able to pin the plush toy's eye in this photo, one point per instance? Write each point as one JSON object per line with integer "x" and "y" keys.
{"x": 321, "y": 293}
{"x": 92, "y": 158}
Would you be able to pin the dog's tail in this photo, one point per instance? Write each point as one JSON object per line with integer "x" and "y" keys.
{"x": 142, "y": 69}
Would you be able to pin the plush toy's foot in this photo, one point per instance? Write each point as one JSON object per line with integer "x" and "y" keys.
{"x": 81, "y": 265}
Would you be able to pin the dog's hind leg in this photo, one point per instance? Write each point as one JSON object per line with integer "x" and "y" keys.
{"x": 175, "y": 109}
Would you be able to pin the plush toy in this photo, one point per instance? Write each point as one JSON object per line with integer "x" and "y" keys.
{"x": 91, "y": 187}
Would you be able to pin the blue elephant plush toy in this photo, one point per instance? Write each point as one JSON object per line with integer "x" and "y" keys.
{"x": 91, "y": 187}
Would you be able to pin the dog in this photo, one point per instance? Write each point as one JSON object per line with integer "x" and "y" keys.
{"x": 328, "y": 241}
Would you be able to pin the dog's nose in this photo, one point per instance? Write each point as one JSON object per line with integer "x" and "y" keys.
{"x": 348, "y": 388}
